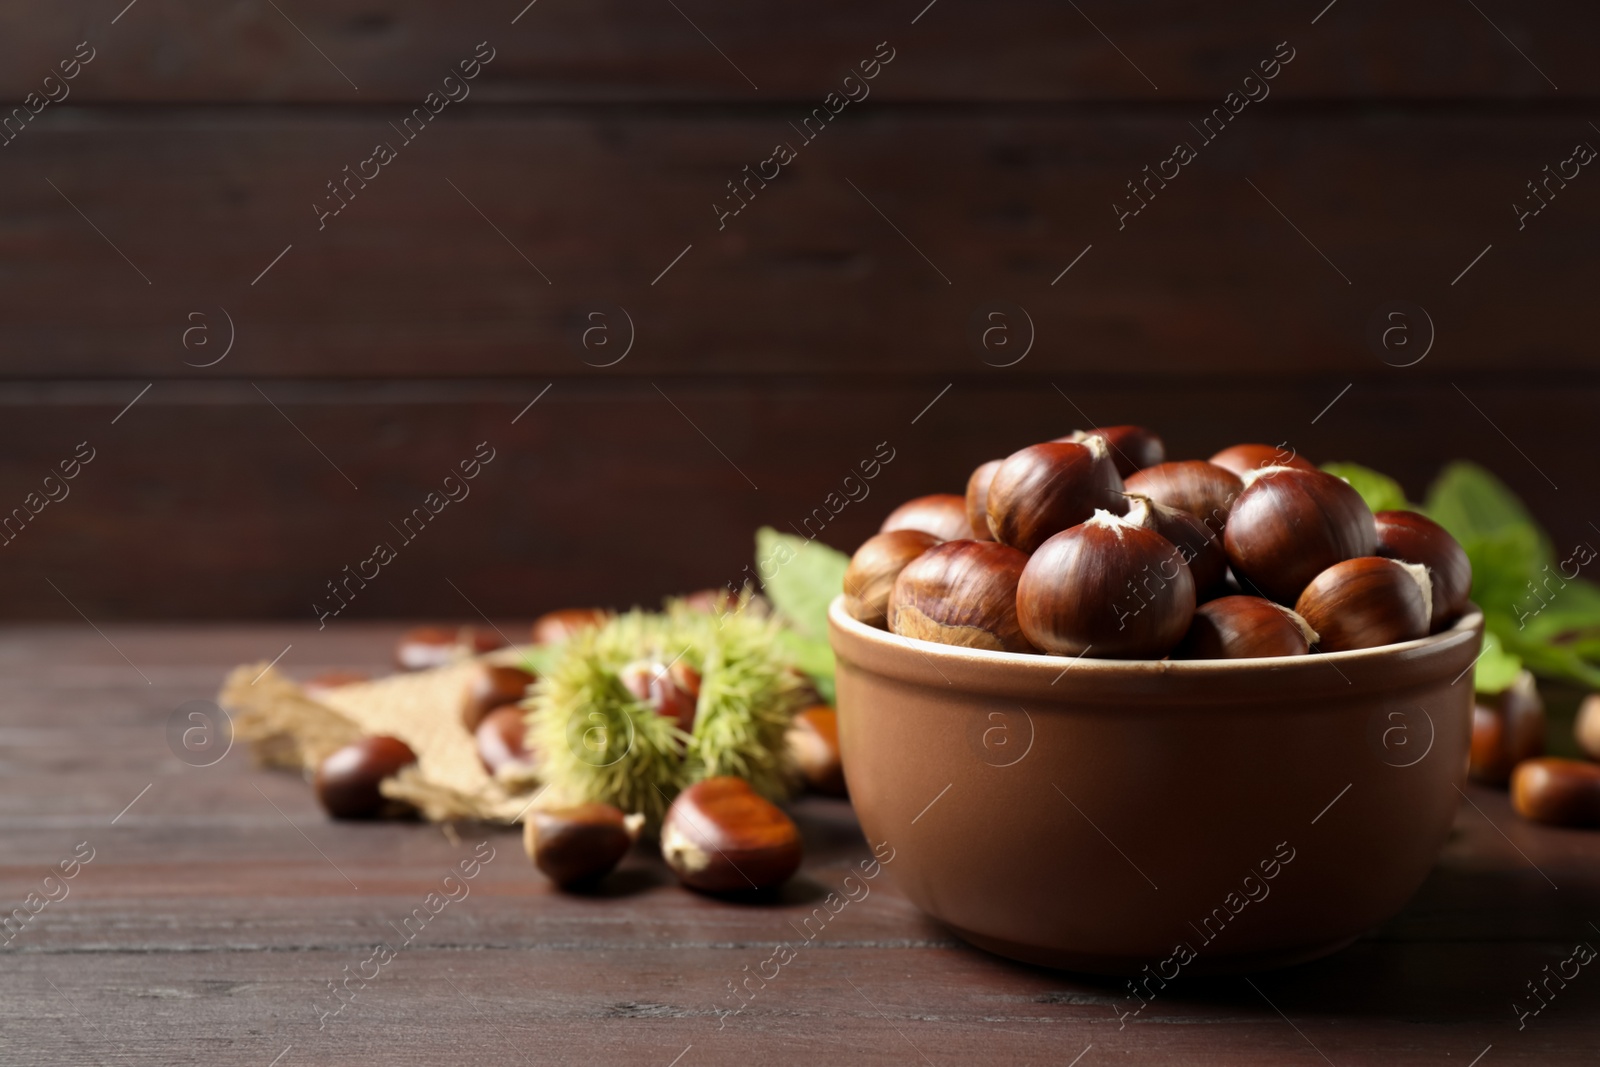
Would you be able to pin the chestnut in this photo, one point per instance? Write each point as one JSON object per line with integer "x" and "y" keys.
{"x": 556, "y": 627}
{"x": 1242, "y": 459}
{"x": 436, "y": 646}
{"x": 978, "y": 500}
{"x": 502, "y": 739}
{"x": 1507, "y": 728}
{"x": 346, "y": 782}
{"x": 1367, "y": 602}
{"x": 1200, "y": 549}
{"x": 1244, "y": 627}
{"x": 1043, "y": 489}
{"x": 579, "y": 845}
{"x": 1289, "y": 525}
{"x": 869, "y": 579}
{"x": 1560, "y": 792}
{"x": 324, "y": 683}
{"x": 1203, "y": 489}
{"x": 1133, "y": 448}
{"x": 672, "y": 689}
{"x": 944, "y": 515}
{"x": 961, "y": 593}
{"x": 1108, "y": 586}
{"x": 1413, "y": 538}
{"x": 1586, "y": 728}
{"x": 721, "y": 836}
{"x": 490, "y": 687}
{"x": 813, "y": 741}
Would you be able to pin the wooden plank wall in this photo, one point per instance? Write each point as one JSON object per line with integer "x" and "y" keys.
{"x": 171, "y": 198}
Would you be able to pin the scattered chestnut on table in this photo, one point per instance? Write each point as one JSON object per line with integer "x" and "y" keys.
{"x": 1560, "y": 792}
{"x": 435, "y": 646}
{"x": 870, "y": 578}
{"x": 1586, "y": 728}
{"x": 556, "y": 627}
{"x": 1507, "y": 728}
{"x": 578, "y": 846}
{"x": 346, "y": 781}
{"x": 490, "y": 687}
{"x": 1244, "y": 627}
{"x": 944, "y": 515}
{"x": 721, "y": 836}
{"x": 1367, "y": 602}
{"x": 1133, "y": 448}
{"x": 1200, "y": 549}
{"x": 961, "y": 593}
{"x": 1203, "y": 489}
{"x": 1043, "y": 489}
{"x": 1413, "y": 538}
{"x": 672, "y": 689}
{"x": 502, "y": 738}
{"x": 1108, "y": 587}
{"x": 978, "y": 500}
{"x": 1242, "y": 459}
{"x": 1289, "y": 525}
{"x": 813, "y": 741}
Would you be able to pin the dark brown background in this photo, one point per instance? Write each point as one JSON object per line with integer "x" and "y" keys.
{"x": 796, "y": 339}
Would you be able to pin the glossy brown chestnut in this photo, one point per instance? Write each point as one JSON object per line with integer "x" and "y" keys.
{"x": 1586, "y": 728}
{"x": 961, "y": 593}
{"x": 944, "y": 515}
{"x": 1366, "y": 602}
{"x": 579, "y": 845}
{"x": 1413, "y": 538}
{"x": 814, "y": 743}
{"x": 673, "y": 689}
{"x": 1203, "y": 489}
{"x": 502, "y": 740}
{"x": 1560, "y": 792}
{"x": 1244, "y": 627}
{"x": 1290, "y": 525}
{"x": 435, "y": 646}
{"x": 721, "y": 836}
{"x": 492, "y": 686}
{"x": 1106, "y": 588}
{"x": 869, "y": 579}
{"x": 1242, "y": 459}
{"x": 554, "y": 627}
{"x": 1507, "y": 728}
{"x": 978, "y": 500}
{"x": 327, "y": 681}
{"x": 1043, "y": 489}
{"x": 346, "y": 781}
{"x": 1133, "y": 448}
{"x": 1195, "y": 543}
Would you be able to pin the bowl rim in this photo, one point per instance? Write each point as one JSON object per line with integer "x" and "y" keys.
{"x": 1452, "y": 650}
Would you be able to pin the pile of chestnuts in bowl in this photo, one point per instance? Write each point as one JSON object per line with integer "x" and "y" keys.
{"x": 1094, "y": 545}
{"x": 1223, "y": 666}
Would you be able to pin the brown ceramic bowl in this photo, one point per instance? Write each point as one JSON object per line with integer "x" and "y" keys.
{"x": 1096, "y": 815}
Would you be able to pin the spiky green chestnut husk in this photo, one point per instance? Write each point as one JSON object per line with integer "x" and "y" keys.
{"x": 596, "y": 742}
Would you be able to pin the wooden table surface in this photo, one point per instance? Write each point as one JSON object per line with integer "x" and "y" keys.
{"x": 219, "y": 905}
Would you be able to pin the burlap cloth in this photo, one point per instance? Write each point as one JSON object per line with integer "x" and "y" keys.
{"x": 286, "y": 728}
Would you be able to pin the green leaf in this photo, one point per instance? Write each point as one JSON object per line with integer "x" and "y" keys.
{"x": 1561, "y": 611}
{"x": 1381, "y": 492}
{"x": 801, "y": 578}
{"x": 1503, "y": 563}
{"x": 1471, "y": 503}
{"x": 1496, "y": 668}
{"x": 812, "y": 656}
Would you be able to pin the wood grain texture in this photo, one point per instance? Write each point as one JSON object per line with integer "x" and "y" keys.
{"x": 209, "y": 502}
{"x": 165, "y": 50}
{"x": 208, "y": 924}
{"x": 482, "y": 248}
